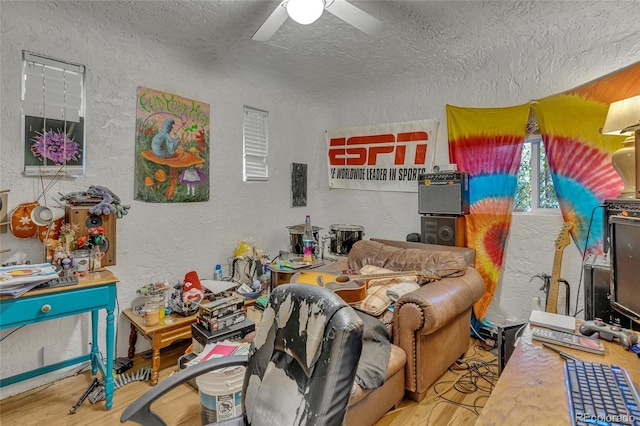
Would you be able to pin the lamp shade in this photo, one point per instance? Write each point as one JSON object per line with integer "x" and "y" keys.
{"x": 305, "y": 11}
{"x": 43, "y": 215}
{"x": 623, "y": 117}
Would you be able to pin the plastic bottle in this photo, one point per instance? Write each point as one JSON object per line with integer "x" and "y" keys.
{"x": 307, "y": 241}
{"x": 217, "y": 274}
{"x": 265, "y": 280}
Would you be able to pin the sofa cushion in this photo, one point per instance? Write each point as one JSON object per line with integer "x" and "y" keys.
{"x": 438, "y": 263}
{"x": 397, "y": 360}
{"x": 377, "y": 300}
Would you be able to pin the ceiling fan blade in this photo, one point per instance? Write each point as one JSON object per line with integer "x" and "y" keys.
{"x": 354, "y": 16}
{"x": 271, "y": 25}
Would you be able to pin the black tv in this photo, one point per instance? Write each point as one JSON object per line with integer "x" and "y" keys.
{"x": 625, "y": 265}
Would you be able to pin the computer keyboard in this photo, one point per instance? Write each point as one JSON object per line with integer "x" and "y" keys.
{"x": 601, "y": 394}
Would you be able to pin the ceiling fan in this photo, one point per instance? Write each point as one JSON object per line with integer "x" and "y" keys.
{"x": 308, "y": 11}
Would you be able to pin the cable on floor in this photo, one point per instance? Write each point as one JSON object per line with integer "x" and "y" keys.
{"x": 475, "y": 374}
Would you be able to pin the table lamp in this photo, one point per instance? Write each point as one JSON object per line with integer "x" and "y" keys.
{"x": 46, "y": 216}
{"x": 623, "y": 118}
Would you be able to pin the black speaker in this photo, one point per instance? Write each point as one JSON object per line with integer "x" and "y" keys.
{"x": 623, "y": 206}
{"x": 507, "y": 336}
{"x": 443, "y": 193}
{"x": 444, "y": 230}
{"x": 80, "y": 216}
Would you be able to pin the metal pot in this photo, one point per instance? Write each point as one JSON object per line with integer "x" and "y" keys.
{"x": 295, "y": 239}
{"x": 343, "y": 237}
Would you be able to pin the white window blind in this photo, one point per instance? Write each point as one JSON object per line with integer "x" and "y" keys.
{"x": 255, "y": 145}
{"x": 52, "y": 89}
{"x": 53, "y": 111}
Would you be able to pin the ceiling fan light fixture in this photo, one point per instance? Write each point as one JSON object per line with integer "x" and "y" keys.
{"x": 305, "y": 11}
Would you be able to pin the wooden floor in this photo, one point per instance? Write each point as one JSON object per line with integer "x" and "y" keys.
{"x": 456, "y": 399}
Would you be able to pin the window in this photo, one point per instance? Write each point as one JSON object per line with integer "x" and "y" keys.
{"x": 255, "y": 145}
{"x": 535, "y": 186}
{"x": 53, "y": 110}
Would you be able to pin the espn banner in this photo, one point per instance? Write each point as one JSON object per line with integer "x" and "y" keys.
{"x": 383, "y": 157}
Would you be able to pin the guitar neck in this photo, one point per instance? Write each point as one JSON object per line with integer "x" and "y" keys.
{"x": 554, "y": 284}
{"x": 561, "y": 242}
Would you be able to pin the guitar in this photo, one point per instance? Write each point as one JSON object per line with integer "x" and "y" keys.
{"x": 562, "y": 241}
{"x": 351, "y": 287}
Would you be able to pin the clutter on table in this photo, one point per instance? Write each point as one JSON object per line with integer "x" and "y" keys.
{"x": 158, "y": 300}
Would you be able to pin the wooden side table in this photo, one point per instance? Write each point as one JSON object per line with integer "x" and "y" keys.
{"x": 160, "y": 336}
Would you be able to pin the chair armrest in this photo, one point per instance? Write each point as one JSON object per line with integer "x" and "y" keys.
{"x": 439, "y": 302}
{"x": 140, "y": 410}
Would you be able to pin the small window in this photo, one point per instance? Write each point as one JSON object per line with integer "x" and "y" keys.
{"x": 53, "y": 110}
{"x": 535, "y": 186}
{"x": 255, "y": 145}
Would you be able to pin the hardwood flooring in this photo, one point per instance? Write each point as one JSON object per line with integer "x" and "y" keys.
{"x": 455, "y": 399}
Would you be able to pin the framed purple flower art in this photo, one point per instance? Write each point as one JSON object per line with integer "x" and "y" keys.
{"x": 52, "y": 145}
{"x": 53, "y": 110}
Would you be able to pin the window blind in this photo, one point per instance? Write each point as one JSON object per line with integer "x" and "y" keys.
{"x": 53, "y": 111}
{"x": 255, "y": 145}
{"x": 52, "y": 89}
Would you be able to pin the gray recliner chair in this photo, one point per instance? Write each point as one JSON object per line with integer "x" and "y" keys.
{"x": 300, "y": 368}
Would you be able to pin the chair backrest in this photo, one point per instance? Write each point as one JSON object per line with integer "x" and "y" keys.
{"x": 303, "y": 359}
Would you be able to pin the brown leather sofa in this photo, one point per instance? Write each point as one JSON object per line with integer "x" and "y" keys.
{"x": 430, "y": 326}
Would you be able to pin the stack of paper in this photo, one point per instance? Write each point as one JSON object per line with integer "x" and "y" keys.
{"x": 218, "y": 349}
{"x": 18, "y": 279}
{"x": 23, "y": 274}
{"x": 19, "y": 289}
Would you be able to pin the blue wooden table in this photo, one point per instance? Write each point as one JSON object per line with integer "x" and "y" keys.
{"x": 91, "y": 294}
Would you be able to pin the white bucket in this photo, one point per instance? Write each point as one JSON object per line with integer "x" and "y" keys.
{"x": 220, "y": 394}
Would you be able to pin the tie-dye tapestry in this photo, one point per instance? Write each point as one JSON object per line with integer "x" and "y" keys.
{"x": 580, "y": 156}
{"x": 487, "y": 143}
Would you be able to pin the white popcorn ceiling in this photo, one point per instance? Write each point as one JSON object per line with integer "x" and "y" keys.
{"x": 330, "y": 59}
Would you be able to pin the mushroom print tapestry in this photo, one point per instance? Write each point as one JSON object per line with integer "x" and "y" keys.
{"x": 172, "y": 148}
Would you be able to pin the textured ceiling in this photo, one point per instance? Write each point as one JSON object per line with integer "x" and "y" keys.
{"x": 330, "y": 58}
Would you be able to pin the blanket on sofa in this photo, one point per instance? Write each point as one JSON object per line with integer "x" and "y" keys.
{"x": 376, "y": 349}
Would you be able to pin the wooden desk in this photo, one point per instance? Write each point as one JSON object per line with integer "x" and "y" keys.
{"x": 160, "y": 336}
{"x": 532, "y": 390}
{"x": 91, "y": 294}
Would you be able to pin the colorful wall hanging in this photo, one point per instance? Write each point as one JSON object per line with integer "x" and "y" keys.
{"x": 579, "y": 158}
{"x": 487, "y": 144}
{"x": 580, "y": 155}
{"x": 172, "y": 148}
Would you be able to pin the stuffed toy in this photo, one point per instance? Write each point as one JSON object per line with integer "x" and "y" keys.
{"x": 110, "y": 203}
{"x": 192, "y": 289}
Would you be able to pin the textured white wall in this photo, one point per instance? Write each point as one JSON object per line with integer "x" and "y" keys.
{"x": 154, "y": 240}
{"x": 158, "y": 240}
